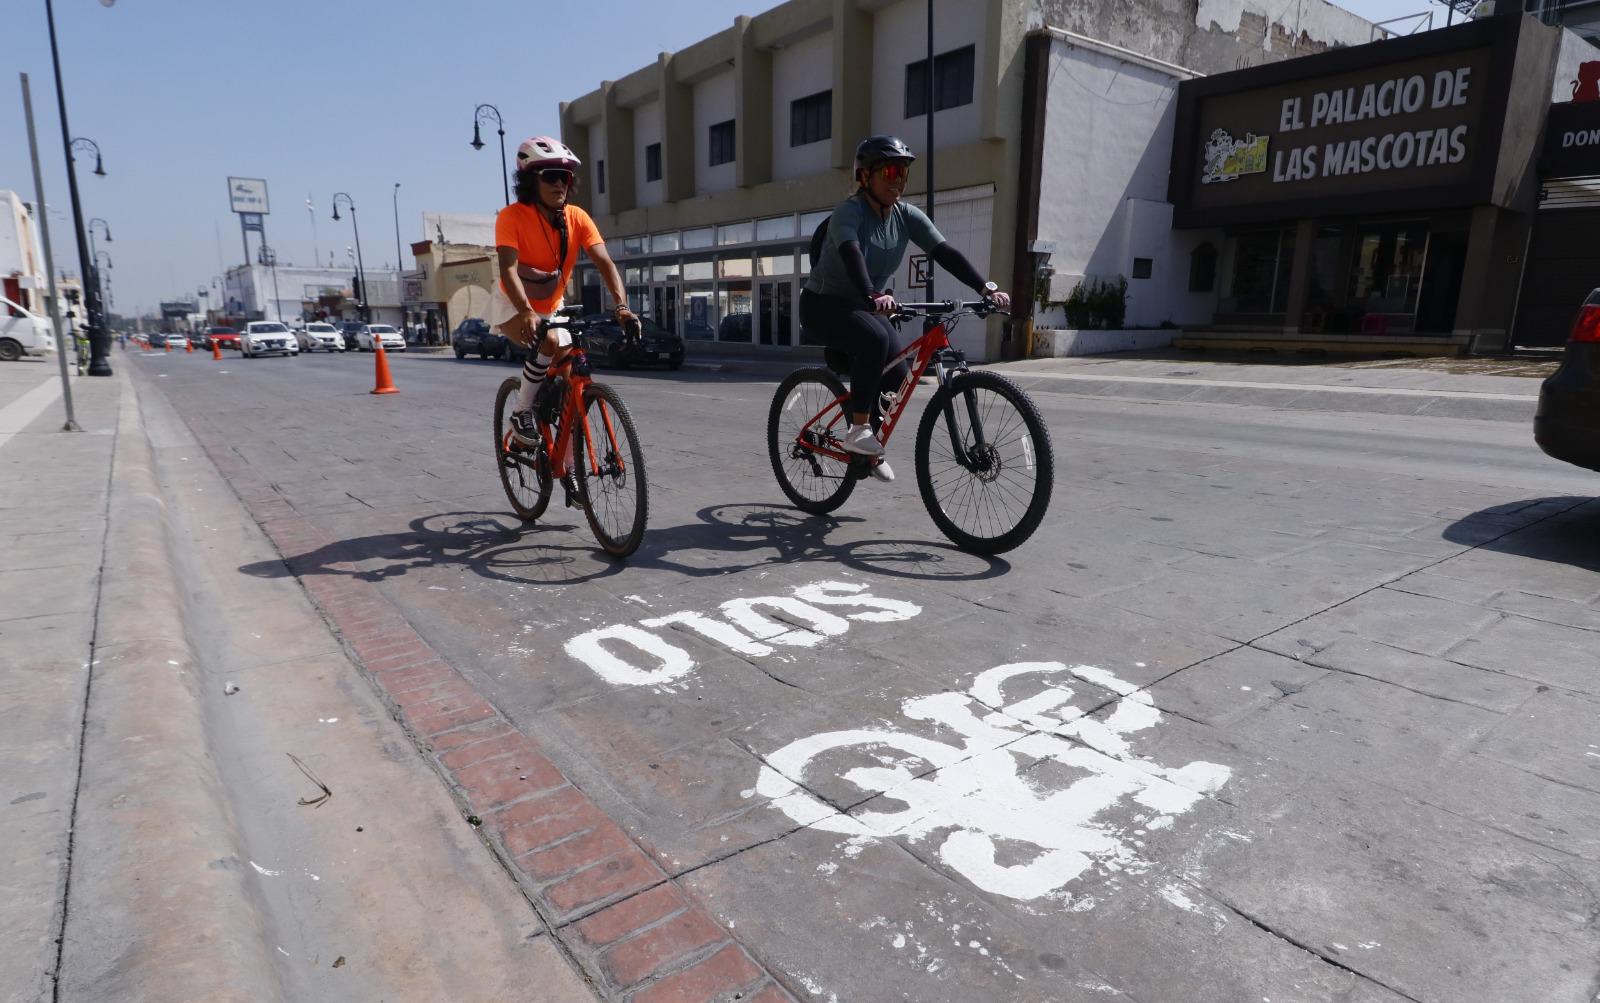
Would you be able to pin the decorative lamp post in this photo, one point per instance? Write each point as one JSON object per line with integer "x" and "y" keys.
{"x": 361, "y": 271}
{"x": 477, "y": 143}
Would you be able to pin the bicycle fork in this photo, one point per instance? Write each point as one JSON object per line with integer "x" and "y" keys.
{"x": 977, "y": 458}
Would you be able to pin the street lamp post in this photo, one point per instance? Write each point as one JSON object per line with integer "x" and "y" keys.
{"x": 477, "y": 143}
{"x": 399, "y": 266}
{"x": 397, "y": 261}
{"x": 361, "y": 271}
{"x": 311, "y": 211}
{"x": 269, "y": 257}
{"x": 94, "y": 255}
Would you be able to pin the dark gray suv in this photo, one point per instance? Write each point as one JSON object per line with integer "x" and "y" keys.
{"x": 473, "y": 337}
{"x": 1567, "y": 425}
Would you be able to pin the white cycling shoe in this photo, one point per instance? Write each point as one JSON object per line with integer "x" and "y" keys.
{"x": 882, "y": 471}
{"x": 861, "y": 441}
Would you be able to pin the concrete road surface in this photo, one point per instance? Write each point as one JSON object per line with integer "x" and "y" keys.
{"x": 1292, "y": 697}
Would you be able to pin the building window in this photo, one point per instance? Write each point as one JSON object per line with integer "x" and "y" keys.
{"x": 952, "y": 81}
{"x": 652, "y": 162}
{"x": 1203, "y": 269}
{"x": 722, "y": 143}
{"x": 1256, "y": 271}
{"x": 736, "y": 233}
{"x": 1142, "y": 267}
{"x": 811, "y": 119}
{"x": 775, "y": 228}
{"x": 600, "y": 177}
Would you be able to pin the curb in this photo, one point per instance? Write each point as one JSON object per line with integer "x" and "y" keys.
{"x": 146, "y": 916}
{"x": 631, "y": 928}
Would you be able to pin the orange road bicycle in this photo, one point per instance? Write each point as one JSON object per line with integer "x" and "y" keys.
{"x": 985, "y": 465}
{"x": 588, "y": 444}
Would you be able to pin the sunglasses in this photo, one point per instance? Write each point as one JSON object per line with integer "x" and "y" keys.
{"x": 556, "y": 176}
{"x": 894, "y": 172}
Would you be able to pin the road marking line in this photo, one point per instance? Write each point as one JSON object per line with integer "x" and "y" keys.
{"x": 1311, "y": 387}
{"x": 17, "y": 415}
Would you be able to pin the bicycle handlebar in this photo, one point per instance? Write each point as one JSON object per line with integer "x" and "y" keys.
{"x": 979, "y": 308}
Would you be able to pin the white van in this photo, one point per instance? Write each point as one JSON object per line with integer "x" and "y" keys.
{"x": 23, "y": 333}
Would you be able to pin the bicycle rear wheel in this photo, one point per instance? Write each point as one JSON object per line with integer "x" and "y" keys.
{"x": 815, "y": 482}
{"x": 611, "y": 477}
{"x": 985, "y": 464}
{"x": 524, "y": 473}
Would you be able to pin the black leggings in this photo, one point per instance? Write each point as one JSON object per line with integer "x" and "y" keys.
{"x": 866, "y": 337}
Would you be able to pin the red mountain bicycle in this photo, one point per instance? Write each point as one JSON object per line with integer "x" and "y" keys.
{"x": 588, "y": 444}
{"x": 985, "y": 465}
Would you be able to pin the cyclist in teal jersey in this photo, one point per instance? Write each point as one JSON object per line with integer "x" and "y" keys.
{"x": 846, "y": 299}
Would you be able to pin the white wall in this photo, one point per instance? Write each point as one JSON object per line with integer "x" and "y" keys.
{"x": 965, "y": 218}
{"x": 647, "y": 130}
{"x": 900, "y": 36}
{"x": 713, "y": 103}
{"x": 597, "y": 153}
{"x": 1102, "y": 200}
{"x": 798, "y": 71}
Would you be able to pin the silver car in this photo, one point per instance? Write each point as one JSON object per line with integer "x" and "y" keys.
{"x": 267, "y": 337}
{"x": 320, "y": 337}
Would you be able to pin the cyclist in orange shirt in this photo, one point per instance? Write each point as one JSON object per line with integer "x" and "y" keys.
{"x": 538, "y": 238}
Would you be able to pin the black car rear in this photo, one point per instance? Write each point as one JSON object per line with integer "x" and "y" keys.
{"x": 656, "y": 345}
{"x": 1567, "y": 425}
{"x": 473, "y": 337}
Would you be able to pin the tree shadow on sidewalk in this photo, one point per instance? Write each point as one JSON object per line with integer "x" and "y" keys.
{"x": 1558, "y": 530}
{"x": 727, "y": 539}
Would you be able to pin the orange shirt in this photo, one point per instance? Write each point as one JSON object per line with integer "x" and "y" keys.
{"x": 537, "y": 241}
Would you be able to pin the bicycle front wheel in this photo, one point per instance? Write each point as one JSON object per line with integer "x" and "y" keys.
{"x": 611, "y": 477}
{"x": 524, "y": 473}
{"x": 815, "y": 482}
{"x": 985, "y": 465}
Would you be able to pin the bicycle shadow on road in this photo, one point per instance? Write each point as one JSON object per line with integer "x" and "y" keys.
{"x": 1557, "y": 530}
{"x": 726, "y": 539}
{"x": 763, "y": 535}
{"x": 490, "y": 544}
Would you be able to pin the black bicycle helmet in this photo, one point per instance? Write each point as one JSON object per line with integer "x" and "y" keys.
{"x": 874, "y": 150}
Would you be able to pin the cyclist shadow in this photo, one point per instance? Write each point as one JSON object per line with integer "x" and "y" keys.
{"x": 726, "y": 539}
{"x": 742, "y": 536}
{"x": 489, "y": 544}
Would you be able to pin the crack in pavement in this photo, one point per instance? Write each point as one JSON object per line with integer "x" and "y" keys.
{"x": 1302, "y": 945}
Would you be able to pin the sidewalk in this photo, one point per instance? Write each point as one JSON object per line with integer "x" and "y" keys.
{"x": 54, "y": 495}
{"x": 163, "y": 843}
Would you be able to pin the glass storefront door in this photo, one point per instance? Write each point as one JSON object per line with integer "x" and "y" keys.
{"x": 1387, "y": 272}
{"x": 665, "y": 302}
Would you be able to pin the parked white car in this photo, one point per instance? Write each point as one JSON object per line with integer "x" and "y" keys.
{"x": 267, "y": 337}
{"x": 23, "y": 333}
{"x": 320, "y": 337}
{"x": 390, "y": 338}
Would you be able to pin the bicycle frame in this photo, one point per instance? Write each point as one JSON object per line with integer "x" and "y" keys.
{"x": 934, "y": 344}
{"x": 574, "y": 368}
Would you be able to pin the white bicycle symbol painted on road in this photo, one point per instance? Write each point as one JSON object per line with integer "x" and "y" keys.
{"x": 979, "y": 793}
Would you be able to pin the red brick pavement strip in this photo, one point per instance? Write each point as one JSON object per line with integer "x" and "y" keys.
{"x": 637, "y": 933}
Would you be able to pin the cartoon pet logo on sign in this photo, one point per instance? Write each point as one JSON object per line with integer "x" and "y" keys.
{"x": 1228, "y": 158}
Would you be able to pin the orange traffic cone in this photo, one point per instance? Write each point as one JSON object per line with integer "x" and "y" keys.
{"x": 169, "y": 346}
{"x": 216, "y": 350}
{"x": 188, "y": 346}
{"x": 385, "y": 382}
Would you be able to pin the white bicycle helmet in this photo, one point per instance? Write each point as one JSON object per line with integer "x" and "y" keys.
{"x": 544, "y": 151}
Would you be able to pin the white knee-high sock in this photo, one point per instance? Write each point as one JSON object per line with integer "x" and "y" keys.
{"x": 532, "y": 375}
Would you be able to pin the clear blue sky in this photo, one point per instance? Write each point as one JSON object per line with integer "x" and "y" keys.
{"x": 315, "y": 97}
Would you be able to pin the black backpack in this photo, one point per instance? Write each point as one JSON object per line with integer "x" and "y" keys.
{"x": 818, "y": 236}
